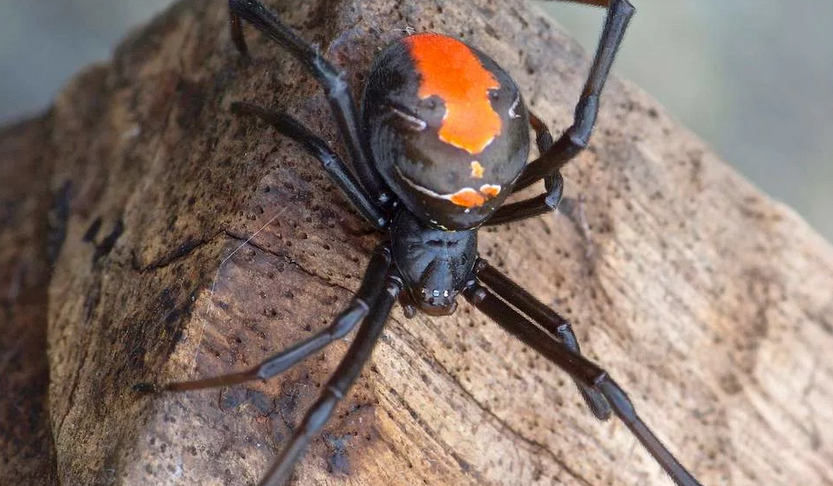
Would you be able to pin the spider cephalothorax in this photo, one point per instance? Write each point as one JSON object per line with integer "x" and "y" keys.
{"x": 445, "y": 130}
{"x": 434, "y": 264}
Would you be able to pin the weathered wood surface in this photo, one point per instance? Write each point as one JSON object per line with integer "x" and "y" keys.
{"x": 709, "y": 302}
{"x": 30, "y": 235}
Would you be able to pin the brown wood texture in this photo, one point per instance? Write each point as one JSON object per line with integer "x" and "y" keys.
{"x": 193, "y": 243}
{"x": 31, "y": 223}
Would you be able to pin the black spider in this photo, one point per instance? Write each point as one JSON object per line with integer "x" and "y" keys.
{"x": 443, "y": 141}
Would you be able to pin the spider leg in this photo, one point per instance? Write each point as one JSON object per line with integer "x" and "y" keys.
{"x": 335, "y": 389}
{"x": 335, "y": 167}
{"x": 576, "y": 138}
{"x": 548, "y": 320}
{"x": 330, "y": 79}
{"x": 534, "y": 206}
{"x": 538, "y": 205}
{"x": 581, "y": 369}
{"x": 369, "y": 290}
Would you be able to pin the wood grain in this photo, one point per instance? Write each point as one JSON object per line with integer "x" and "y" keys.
{"x": 198, "y": 243}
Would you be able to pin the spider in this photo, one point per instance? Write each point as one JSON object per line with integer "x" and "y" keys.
{"x": 442, "y": 141}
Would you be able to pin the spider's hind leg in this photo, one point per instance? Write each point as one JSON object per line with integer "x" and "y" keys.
{"x": 576, "y": 138}
{"x": 329, "y": 159}
{"x": 538, "y": 205}
{"x": 330, "y": 79}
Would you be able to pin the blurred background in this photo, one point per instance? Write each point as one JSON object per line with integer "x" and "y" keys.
{"x": 754, "y": 79}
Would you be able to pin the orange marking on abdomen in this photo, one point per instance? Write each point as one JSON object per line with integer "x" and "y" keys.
{"x": 490, "y": 190}
{"x": 450, "y": 70}
{"x": 469, "y": 198}
{"x": 477, "y": 169}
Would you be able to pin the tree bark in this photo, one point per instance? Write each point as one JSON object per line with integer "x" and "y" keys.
{"x": 167, "y": 239}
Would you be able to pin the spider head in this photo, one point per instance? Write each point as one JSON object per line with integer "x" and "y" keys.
{"x": 434, "y": 264}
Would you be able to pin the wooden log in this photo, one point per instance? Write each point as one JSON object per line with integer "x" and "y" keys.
{"x": 31, "y": 219}
{"x": 197, "y": 243}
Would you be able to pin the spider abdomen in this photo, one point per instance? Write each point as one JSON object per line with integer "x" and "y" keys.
{"x": 448, "y": 129}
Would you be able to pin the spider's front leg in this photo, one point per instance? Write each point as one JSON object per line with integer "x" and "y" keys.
{"x": 372, "y": 303}
{"x": 548, "y": 319}
{"x": 580, "y": 368}
{"x": 364, "y": 298}
{"x": 348, "y": 370}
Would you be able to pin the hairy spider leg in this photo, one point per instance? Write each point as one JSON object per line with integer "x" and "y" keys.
{"x": 581, "y": 369}
{"x": 363, "y": 300}
{"x": 330, "y": 79}
{"x": 576, "y": 138}
{"x": 332, "y": 163}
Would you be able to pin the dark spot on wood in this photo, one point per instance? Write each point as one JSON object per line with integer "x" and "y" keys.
{"x": 109, "y": 242}
{"x": 337, "y": 460}
{"x": 92, "y": 231}
{"x": 190, "y": 102}
{"x": 57, "y": 221}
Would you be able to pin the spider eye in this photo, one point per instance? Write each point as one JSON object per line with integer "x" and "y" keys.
{"x": 406, "y": 119}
